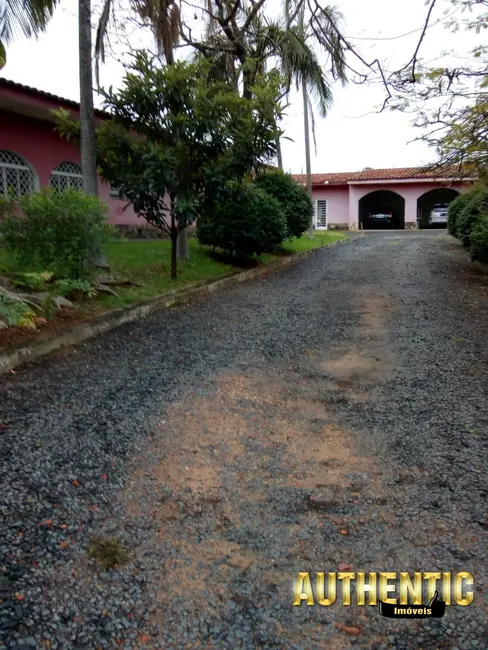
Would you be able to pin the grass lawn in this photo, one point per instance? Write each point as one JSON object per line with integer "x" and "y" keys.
{"x": 147, "y": 263}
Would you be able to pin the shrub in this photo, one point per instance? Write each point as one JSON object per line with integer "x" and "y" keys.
{"x": 470, "y": 214}
{"x": 60, "y": 232}
{"x": 295, "y": 203}
{"x": 17, "y": 312}
{"x": 247, "y": 222}
{"x": 75, "y": 288}
{"x": 454, "y": 212}
{"x": 478, "y": 247}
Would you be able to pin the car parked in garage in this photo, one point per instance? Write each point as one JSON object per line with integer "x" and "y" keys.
{"x": 381, "y": 219}
{"x": 438, "y": 215}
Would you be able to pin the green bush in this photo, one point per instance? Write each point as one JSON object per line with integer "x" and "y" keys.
{"x": 454, "y": 212}
{"x": 246, "y": 222}
{"x": 295, "y": 203}
{"x": 60, "y": 232}
{"x": 478, "y": 247}
{"x": 470, "y": 214}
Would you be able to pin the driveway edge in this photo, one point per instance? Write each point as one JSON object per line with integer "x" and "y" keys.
{"x": 24, "y": 352}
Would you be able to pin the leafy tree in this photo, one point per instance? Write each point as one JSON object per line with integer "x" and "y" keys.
{"x": 295, "y": 203}
{"x": 176, "y": 139}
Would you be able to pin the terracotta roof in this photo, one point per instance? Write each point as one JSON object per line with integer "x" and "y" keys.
{"x": 7, "y": 83}
{"x": 400, "y": 173}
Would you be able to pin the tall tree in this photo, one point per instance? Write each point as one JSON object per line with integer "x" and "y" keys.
{"x": 310, "y": 77}
{"x": 29, "y": 17}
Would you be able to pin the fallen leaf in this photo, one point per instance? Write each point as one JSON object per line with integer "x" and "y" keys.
{"x": 144, "y": 638}
{"x": 48, "y": 522}
{"x": 104, "y": 476}
{"x": 64, "y": 544}
{"x": 93, "y": 508}
{"x": 344, "y": 567}
{"x": 75, "y": 483}
{"x": 343, "y": 531}
{"x": 3, "y": 426}
{"x": 349, "y": 629}
{"x": 63, "y": 526}
{"x": 19, "y": 596}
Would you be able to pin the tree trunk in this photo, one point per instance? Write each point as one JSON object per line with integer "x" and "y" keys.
{"x": 182, "y": 245}
{"x": 87, "y": 114}
{"x": 174, "y": 242}
{"x": 279, "y": 153}
{"x": 308, "y": 164}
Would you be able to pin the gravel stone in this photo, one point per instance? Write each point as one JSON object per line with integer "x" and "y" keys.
{"x": 334, "y": 413}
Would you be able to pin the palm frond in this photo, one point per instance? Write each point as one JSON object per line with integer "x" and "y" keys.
{"x": 164, "y": 20}
{"x": 101, "y": 37}
{"x": 27, "y": 18}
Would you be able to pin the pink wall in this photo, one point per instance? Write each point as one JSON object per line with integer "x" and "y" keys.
{"x": 337, "y": 197}
{"x": 40, "y": 146}
{"x": 343, "y": 200}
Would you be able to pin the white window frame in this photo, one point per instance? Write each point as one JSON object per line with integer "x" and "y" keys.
{"x": 317, "y": 226}
{"x": 69, "y": 176}
{"x": 21, "y": 166}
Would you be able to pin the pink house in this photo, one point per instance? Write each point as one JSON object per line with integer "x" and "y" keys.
{"x": 347, "y": 200}
{"x": 34, "y": 155}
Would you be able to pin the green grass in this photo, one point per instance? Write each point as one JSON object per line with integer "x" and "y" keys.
{"x": 147, "y": 263}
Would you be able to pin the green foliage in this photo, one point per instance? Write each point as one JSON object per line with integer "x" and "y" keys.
{"x": 295, "y": 203}
{"x": 176, "y": 138}
{"x": 68, "y": 287}
{"x": 33, "y": 281}
{"x": 60, "y": 231}
{"x": 478, "y": 247}
{"x": 17, "y": 312}
{"x": 454, "y": 212}
{"x": 248, "y": 222}
{"x": 109, "y": 553}
{"x": 470, "y": 214}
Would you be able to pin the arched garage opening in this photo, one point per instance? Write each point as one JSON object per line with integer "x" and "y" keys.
{"x": 381, "y": 210}
{"x": 434, "y": 199}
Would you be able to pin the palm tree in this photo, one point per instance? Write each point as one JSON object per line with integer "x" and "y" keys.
{"x": 87, "y": 112}
{"x": 29, "y": 17}
{"x": 310, "y": 78}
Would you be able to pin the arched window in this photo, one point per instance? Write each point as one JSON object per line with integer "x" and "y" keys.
{"x": 16, "y": 177}
{"x": 66, "y": 176}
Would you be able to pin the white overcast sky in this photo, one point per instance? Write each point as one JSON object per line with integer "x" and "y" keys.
{"x": 351, "y": 137}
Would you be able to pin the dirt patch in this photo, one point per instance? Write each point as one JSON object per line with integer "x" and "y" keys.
{"x": 356, "y": 366}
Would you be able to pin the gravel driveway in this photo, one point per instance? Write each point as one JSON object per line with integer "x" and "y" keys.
{"x": 331, "y": 414}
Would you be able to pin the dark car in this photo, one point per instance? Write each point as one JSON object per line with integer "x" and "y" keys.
{"x": 381, "y": 219}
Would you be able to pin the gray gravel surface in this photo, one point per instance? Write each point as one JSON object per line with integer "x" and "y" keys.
{"x": 331, "y": 414}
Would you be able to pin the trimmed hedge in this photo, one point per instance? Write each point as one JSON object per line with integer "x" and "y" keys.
{"x": 470, "y": 214}
{"x": 455, "y": 210}
{"x": 478, "y": 247}
{"x": 294, "y": 200}
{"x": 248, "y": 222}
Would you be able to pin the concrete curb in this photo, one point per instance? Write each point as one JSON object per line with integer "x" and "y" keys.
{"x": 24, "y": 352}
